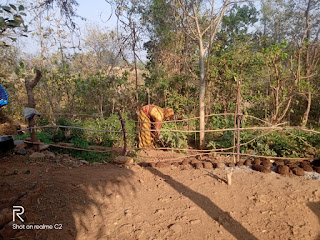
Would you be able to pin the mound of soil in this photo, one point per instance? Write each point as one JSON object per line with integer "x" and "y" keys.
{"x": 266, "y": 163}
{"x": 261, "y": 168}
{"x": 247, "y": 162}
{"x": 298, "y": 171}
{"x": 306, "y": 167}
{"x": 278, "y": 163}
{"x": 257, "y": 162}
{"x": 283, "y": 170}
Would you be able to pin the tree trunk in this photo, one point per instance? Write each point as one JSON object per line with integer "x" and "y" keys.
{"x": 30, "y": 85}
{"x": 202, "y": 95}
{"x": 305, "y": 117}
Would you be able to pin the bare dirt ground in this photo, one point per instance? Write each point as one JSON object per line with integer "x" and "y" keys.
{"x": 106, "y": 201}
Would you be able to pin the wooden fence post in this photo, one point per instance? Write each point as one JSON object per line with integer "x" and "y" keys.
{"x": 123, "y": 126}
{"x": 237, "y": 120}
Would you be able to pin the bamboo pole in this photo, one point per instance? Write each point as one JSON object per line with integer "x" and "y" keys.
{"x": 238, "y": 119}
{"x": 235, "y": 125}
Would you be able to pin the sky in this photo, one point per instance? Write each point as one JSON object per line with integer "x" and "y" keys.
{"x": 96, "y": 11}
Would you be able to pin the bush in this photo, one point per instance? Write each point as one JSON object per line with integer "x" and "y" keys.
{"x": 289, "y": 144}
{"x": 42, "y": 136}
{"x": 173, "y": 139}
{"x": 109, "y": 139}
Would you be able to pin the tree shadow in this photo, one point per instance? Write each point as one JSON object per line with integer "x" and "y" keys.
{"x": 315, "y": 207}
{"x": 77, "y": 200}
{"x": 216, "y": 213}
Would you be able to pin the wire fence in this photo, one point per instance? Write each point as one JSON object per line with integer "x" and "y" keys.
{"x": 189, "y": 152}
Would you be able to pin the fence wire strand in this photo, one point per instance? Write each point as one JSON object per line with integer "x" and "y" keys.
{"x": 270, "y": 128}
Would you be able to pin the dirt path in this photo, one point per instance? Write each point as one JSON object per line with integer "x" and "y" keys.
{"x": 113, "y": 202}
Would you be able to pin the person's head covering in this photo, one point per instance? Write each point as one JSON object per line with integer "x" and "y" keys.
{"x": 168, "y": 112}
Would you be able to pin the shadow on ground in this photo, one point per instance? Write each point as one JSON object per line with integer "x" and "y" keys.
{"x": 315, "y": 207}
{"x": 77, "y": 199}
{"x": 217, "y": 214}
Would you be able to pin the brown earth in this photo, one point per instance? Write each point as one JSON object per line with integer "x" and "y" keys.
{"x": 106, "y": 201}
{"x": 7, "y": 125}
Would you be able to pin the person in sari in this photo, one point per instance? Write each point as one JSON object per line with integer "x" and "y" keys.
{"x": 151, "y": 118}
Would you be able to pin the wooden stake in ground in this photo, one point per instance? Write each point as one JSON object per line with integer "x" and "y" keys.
{"x": 238, "y": 119}
{"x": 229, "y": 177}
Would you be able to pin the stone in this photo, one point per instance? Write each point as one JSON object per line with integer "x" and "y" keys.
{"x": 44, "y": 147}
{"x": 175, "y": 227}
{"x": 20, "y": 146}
{"x": 18, "y": 142}
{"x": 283, "y": 170}
{"x": 195, "y": 221}
{"x": 207, "y": 165}
{"x": 49, "y": 154}
{"x": 123, "y": 160}
{"x": 21, "y": 151}
{"x": 37, "y": 155}
{"x": 84, "y": 162}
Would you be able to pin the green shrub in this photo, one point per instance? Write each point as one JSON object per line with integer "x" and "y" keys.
{"x": 173, "y": 139}
{"x": 109, "y": 139}
{"x": 42, "y": 136}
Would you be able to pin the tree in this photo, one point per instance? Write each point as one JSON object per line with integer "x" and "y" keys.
{"x": 201, "y": 22}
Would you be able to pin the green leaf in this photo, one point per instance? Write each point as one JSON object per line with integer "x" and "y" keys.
{"x": 21, "y": 8}
{"x": 13, "y": 7}
{"x": 6, "y": 8}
